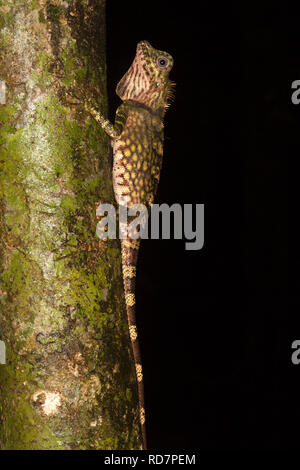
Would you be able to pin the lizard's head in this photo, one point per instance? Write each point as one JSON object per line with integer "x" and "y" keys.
{"x": 147, "y": 80}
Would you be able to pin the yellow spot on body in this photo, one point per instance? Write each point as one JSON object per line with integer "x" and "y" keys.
{"x": 145, "y": 166}
{"x": 139, "y": 373}
{"x": 133, "y": 174}
{"x": 138, "y": 165}
{"x": 127, "y": 153}
{"x": 139, "y": 148}
{"x": 128, "y": 142}
{"x": 132, "y": 147}
{"x": 129, "y": 166}
{"x": 134, "y": 244}
{"x": 135, "y": 157}
{"x": 133, "y": 332}
{"x": 129, "y": 271}
{"x": 126, "y": 175}
{"x": 142, "y": 416}
{"x": 130, "y": 299}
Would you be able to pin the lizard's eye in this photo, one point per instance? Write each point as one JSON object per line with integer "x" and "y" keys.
{"x": 162, "y": 62}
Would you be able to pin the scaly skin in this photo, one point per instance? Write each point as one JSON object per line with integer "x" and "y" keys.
{"x": 137, "y": 141}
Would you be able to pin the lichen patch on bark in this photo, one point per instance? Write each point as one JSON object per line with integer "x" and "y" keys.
{"x": 46, "y": 402}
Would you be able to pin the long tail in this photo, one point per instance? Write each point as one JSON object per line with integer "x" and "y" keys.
{"x": 130, "y": 249}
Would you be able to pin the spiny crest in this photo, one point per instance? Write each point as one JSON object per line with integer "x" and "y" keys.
{"x": 170, "y": 93}
{"x": 147, "y": 80}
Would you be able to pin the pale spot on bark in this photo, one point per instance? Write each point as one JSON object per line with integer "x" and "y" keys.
{"x": 48, "y": 401}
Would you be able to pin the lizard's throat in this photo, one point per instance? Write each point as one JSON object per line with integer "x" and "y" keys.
{"x": 136, "y": 85}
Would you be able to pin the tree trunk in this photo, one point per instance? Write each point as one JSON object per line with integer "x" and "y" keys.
{"x": 69, "y": 379}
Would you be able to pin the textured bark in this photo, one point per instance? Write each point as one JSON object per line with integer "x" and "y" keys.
{"x": 69, "y": 381}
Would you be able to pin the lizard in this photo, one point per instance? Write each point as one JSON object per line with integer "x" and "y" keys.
{"x": 137, "y": 141}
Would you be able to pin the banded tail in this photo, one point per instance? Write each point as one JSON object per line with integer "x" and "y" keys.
{"x": 130, "y": 250}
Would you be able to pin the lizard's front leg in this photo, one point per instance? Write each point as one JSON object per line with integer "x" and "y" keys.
{"x": 106, "y": 125}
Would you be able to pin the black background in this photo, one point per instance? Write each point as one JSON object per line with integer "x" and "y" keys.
{"x": 215, "y": 325}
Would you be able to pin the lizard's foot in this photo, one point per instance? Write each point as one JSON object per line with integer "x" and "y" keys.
{"x": 107, "y": 218}
{"x": 101, "y": 229}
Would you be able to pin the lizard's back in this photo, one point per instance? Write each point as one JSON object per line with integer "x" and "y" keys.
{"x": 138, "y": 156}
